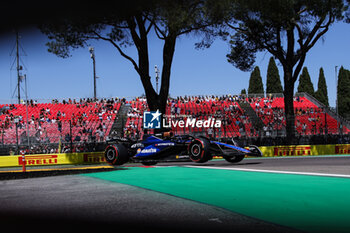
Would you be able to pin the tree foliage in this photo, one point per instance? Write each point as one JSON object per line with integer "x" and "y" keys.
{"x": 273, "y": 81}
{"x": 130, "y": 24}
{"x": 305, "y": 83}
{"x": 322, "y": 94}
{"x": 255, "y": 82}
{"x": 263, "y": 25}
{"x": 343, "y": 90}
{"x": 286, "y": 29}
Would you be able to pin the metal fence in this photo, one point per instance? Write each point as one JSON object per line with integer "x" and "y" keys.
{"x": 268, "y": 127}
{"x": 54, "y": 136}
{"x": 312, "y": 126}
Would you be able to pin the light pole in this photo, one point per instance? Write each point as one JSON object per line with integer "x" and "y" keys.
{"x": 18, "y": 68}
{"x": 92, "y": 55}
{"x": 156, "y": 70}
{"x": 26, "y": 93}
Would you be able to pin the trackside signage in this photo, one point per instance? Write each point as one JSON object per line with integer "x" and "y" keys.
{"x": 39, "y": 160}
{"x": 292, "y": 150}
{"x": 152, "y": 120}
{"x": 53, "y": 159}
{"x": 93, "y": 158}
{"x": 98, "y": 157}
{"x": 342, "y": 149}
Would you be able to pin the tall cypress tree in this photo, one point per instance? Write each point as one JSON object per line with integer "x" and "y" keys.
{"x": 273, "y": 81}
{"x": 322, "y": 94}
{"x": 255, "y": 82}
{"x": 343, "y": 92}
{"x": 305, "y": 84}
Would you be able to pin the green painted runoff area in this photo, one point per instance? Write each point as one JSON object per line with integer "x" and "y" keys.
{"x": 308, "y": 203}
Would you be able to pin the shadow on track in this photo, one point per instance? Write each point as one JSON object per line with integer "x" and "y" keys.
{"x": 34, "y": 174}
{"x": 225, "y": 164}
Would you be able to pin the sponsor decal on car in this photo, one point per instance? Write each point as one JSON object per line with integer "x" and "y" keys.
{"x": 148, "y": 150}
{"x": 165, "y": 144}
{"x": 181, "y": 156}
{"x": 137, "y": 145}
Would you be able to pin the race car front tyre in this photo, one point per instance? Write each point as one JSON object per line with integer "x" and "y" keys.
{"x": 199, "y": 150}
{"x": 116, "y": 154}
{"x": 234, "y": 159}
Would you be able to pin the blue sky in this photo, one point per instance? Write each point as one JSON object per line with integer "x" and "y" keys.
{"x": 194, "y": 72}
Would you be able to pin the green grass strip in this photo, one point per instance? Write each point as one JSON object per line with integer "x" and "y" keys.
{"x": 308, "y": 203}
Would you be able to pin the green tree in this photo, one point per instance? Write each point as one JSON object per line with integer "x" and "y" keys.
{"x": 322, "y": 94}
{"x": 305, "y": 83}
{"x": 343, "y": 90}
{"x": 243, "y": 91}
{"x": 286, "y": 29}
{"x": 130, "y": 24}
{"x": 255, "y": 82}
{"x": 273, "y": 81}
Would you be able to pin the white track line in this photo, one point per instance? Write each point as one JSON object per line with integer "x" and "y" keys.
{"x": 300, "y": 157}
{"x": 273, "y": 171}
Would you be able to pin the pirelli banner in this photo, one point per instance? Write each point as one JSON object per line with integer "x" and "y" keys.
{"x": 305, "y": 150}
{"x": 98, "y": 157}
{"x": 52, "y": 159}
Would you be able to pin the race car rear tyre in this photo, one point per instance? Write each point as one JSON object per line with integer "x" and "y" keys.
{"x": 234, "y": 159}
{"x": 199, "y": 150}
{"x": 116, "y": 154}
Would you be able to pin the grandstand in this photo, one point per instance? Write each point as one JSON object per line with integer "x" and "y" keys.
{"x": 229, "y": 111}
{"x": 85, "y": 121}
{"x": 312, "y": 118}
{"x": 56, "y": 122}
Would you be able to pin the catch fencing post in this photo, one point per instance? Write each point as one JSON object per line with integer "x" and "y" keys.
{"x": 23, "y": 161}
{"x": 71, "y": 136}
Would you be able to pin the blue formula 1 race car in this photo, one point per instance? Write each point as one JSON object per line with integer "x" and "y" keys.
{"x": 158, "y": 147}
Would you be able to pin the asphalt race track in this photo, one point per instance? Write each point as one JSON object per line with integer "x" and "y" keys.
{"x": 289, "y": 194}
{"x": 327, "y": 165}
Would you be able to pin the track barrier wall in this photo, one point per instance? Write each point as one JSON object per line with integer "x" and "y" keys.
{"x": 52, "y": 159}
{"x": 98, "y": 157}
{"x": 305, "y": 150}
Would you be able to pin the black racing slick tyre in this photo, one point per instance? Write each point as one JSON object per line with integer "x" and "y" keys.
{"x": 116, "y": 154}
{"x": 234, "y": 159}
{"x": 199, "y": 150}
